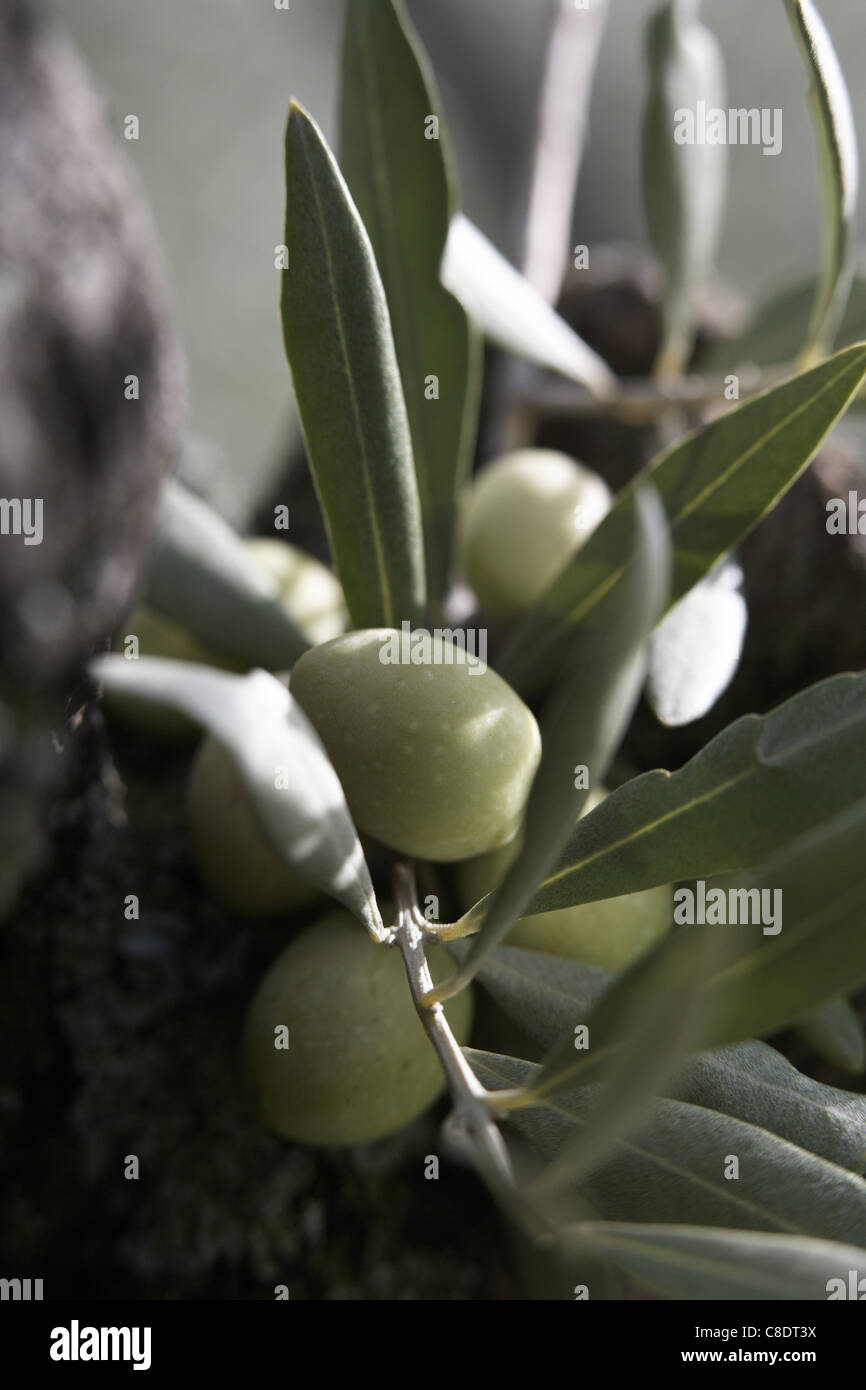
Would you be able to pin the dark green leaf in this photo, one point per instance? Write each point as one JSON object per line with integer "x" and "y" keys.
{"x": 674, "y": 1168}
{"x": 833, "y": 120}
{"x": 688, "y": 1262}
{"x": 514, "y": 315}
{"x": 684, "y": 177}
{"x": 765, "y": 976}
{"x": 716, "y": 485}
{"x": 341, "y": 353}
{"x": 753, "y": 788}
{"x": 549, "y": 997}
{"x": 400, "y": 178}
{"x": 294, "y": 790}
{"x": 202, "y": 576}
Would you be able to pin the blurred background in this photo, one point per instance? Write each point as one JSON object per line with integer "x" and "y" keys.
{"x": 210, "y": 82}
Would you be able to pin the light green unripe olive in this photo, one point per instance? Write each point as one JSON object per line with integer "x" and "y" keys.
{"x": 611, "y": 933}
{"x": 237, "y": 864}
{"x": 436, "y": 759}
{"x": 525, "y": 515}
{"x": 311, "y": 593}
{"x": 359, "y": 1065}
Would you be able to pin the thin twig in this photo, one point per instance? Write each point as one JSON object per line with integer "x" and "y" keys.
{"x": 474, "y": 1107}
{"x": 641, "y": 401}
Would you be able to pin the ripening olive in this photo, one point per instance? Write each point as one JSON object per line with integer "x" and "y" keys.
{"x": 611, "y": 933}
{"x": 436, "y": 759}
{"x": 525, "y": 514}
{"x": 310, "y": 592}
{"x": 236, "y": 862}
{"x": 358, "y": 1064}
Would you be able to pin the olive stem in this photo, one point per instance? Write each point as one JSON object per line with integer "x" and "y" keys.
{"x": 640, "y": 402}
{"x": 473, "y": 1113}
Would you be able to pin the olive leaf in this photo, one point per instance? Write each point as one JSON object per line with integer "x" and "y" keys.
{"x": 694, "y": 1262}
{"x": 833, "y": 121}
{"x": 759, "y": 783}
{"x": 549, "y": 998}
{"x": 780, "y": 327}
{"x": 201, "y": 575}
{"x": 395, "y": 156}
{"x": 675, "y": 1168}
{"x": 715, "y": 484}
{"x": 835, "y": 1032}
{"x": 684, "y": 179}
{"x": 512, "y": 314}
{"x": 695, "y": 650}
{"x": 340, "y": 349}
{"x": 294, "y": 791}
{"x": 747, "y": 979}
{"x": 583, "y": 719}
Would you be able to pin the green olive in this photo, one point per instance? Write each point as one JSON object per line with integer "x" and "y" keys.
{"x": 311, "y": 593}
{"x": 358, "y": 1065}
{"x": 237, "y": 864}
{"x": 525, "y": 515}
{"x": 611, "y": 933}
{"x": 436, "y": 759}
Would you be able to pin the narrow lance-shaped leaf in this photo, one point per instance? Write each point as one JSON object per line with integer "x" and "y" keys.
{"x": 584, "y": 719}
{"x": 201, "y": 575}
{"x": 672, "y": 1168}
{"x": 395, "y": 156}
{"x": 684, "y": 175}
{"x": 807, "y": 945}
{"x": 818, "y": 888}
{"x": 715, "y": 484}
{"x": 753, "y": 788}
{"x": 341, "y": 353}
{"x": 294, "y": 791}
{"x": 833, "y": 120}
{"x": 513, "y": 315}
{"x": 695, "y": 1262}
{"x": 695, "y": 650}
{"x": 549, "y": 998}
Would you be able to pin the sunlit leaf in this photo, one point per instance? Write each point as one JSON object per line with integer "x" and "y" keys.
{"x": 202, "y": 576}
{"x": 294, "y": 791}
{"x": 512, "y": 314}
{"x": 695, "y": 650}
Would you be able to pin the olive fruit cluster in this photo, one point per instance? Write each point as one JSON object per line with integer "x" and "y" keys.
{"x": 525, "y": 515}
{"x": 611, "y": 933}
{"x": 435, "y": 758}
{"x": 334, "y": 1053}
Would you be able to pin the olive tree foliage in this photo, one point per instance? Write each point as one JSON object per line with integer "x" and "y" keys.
{"x": 608, "y": 1138}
